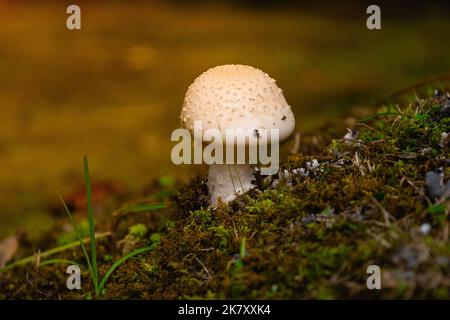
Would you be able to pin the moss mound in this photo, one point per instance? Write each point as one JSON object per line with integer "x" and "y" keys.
{"x": 311, "y": 231}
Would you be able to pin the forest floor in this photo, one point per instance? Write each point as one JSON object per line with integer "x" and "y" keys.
{"x": 344, "y": 200}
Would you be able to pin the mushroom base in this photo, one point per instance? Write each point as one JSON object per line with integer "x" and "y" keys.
{"x": 226, "y": 181}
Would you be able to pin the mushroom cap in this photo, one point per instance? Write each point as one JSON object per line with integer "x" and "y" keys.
{"x": 237, "y": 97}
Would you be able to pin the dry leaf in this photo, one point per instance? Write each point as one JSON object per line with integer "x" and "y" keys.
{"x": 8, "y": 248}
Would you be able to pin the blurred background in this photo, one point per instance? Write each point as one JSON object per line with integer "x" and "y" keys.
{"x": 113, "y": 90}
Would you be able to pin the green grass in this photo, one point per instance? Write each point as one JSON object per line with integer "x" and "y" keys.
{"x": 49, "y": 252}
{"x": 94, "y": 269}
{"x": 147, "y": 207}
{"x": 119, "y": 262}
{"x": 242, "y": 250}
{"x": 92, "y": 260}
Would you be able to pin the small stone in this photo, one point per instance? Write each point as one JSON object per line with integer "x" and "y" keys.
{"x": 407, "y": 155}
{"x": 434, "y": 183}
{"x": 303, "y": 172}
{"x": 425, "y": 228}
{"x": 426, "y": 150}
{"x": 312, "y": 165}
{"x": 442, "y": 261}
{"x": 444, "y": 140}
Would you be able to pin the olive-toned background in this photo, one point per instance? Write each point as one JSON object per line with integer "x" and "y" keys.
{"x": 113, "y": 90}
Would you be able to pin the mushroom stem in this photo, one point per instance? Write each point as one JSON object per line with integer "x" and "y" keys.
{"x": 226, "y": 181}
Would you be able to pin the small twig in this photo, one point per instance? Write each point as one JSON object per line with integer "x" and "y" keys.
{"x": 31, "y": 283}
{"x": 419, "y": 190}
{"x": 235, "y": 230}
{"x": 382, "y": 241}
{"x": 362, "y": 124}
{"x": 203, "y": 266}
{"x": 37, "y": 259}
{"x": 336, "y": 276}
{"x": 397, "y": 107}
{"x": 385, "y": 213}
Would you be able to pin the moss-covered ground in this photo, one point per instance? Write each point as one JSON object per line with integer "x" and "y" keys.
{"x": 338, "y": 205}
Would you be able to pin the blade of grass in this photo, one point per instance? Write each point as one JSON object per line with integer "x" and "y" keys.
{"x": 77, "y": 232}
{"x": 59, "y": 261}
{"x": 52, "y": 251}
{"x": 119, "y": 262}
{"x": 147, "y": 207}
{"x": 87, "y": 181}
{"x": 242, "y": 250}
{"x": 231, "y": 177}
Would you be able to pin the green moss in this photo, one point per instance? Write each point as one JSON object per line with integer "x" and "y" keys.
{"x": 138, "y": 230}
{"x": 308, "y": 236}
{"x": 201, "y": 216}
{"x": 314, "y": 236}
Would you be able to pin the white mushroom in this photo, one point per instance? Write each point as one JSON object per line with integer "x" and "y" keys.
{"x": 235, "y": 97}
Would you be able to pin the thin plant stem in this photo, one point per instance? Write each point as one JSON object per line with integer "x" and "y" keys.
{"x": 52, "y": 251}
{"x": 90, "y": 210}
